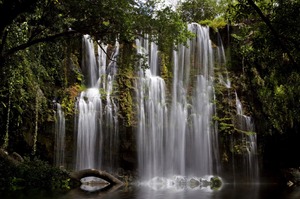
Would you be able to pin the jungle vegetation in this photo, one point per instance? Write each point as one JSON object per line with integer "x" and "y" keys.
{"x": 40, "y": 43}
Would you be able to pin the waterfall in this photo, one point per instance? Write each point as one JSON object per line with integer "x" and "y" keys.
{"x": 191, "y": 135}
{"x": 88, "y": 63}
{"x": 38, "y": 101}
{"x": 221, "y": 61}
{"x": 177, "y": 139}
{"x": 60, "y": 134}
{"x": 152, "y": 112}
{"x": 250, "y": 170}
{"x": 96, "y": 119}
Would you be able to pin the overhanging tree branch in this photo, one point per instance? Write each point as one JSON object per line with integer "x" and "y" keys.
{"x": 109, "y": 58}
{"x": 36, "y": 41}
{"x": 273, "y": 31}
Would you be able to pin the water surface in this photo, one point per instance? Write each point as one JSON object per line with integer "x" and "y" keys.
{"x": 228, "y": 191}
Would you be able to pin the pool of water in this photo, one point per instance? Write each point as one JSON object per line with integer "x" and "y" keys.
{"x": 228, "y": 191}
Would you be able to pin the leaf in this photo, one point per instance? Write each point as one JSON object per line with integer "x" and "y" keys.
{"x": 20, "y": 110}
{"x": 106, "y": 23}
{"x": 4, "y": 105}
{"x": 237, "y": 37}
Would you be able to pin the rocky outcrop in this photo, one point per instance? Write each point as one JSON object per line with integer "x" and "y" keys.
{"x": 14, "y": 158}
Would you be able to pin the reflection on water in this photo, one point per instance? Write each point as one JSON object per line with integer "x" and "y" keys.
{"x": 183, "y": 183}
{"x": 92, "y": 184}
{"x": 228, "y": 191}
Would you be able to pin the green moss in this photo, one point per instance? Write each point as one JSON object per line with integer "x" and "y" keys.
{"x": 69, "y": 97}
{"x": 125, "y": 85}
{"x": 166, "y": 73}
{"x": 215, "y": 24}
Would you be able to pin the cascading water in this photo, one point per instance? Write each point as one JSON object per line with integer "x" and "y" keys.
{"x": 60, "y": 136}
{"x": 221, "y": 61}
{"x": 178, "y": 140}
{"x": 250, "y": 163}
{"x": 152, "y": 113}
{"x": 175, "y": 131}
{"x": 87, "y": 129}
{"x": 191, "y": 130}
{"x": 96, "y": 121}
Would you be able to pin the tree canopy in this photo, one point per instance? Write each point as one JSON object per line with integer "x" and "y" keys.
{"x": 38, "y": 21}
{"x": 267, "y": 47}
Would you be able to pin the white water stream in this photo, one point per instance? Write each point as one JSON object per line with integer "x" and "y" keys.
{"x": 96, "y": 122}
{"x": 177, "y": 139}
{"x": 250, "y": 169}
{"x": 60, "y": 136}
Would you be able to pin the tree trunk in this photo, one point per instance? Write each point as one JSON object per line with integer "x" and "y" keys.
{"x": 78, "y": 175}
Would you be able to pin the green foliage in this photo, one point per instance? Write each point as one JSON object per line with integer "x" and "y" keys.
{"x": 268, "y": 60}
{"x": 28, "y": 66}
{"x": 125, "y": 84}
{"x": 216, "y": 23}
{"x": 169, "y": 29}
{"x": 32, "y": 174}
{"x": 201, "y": 10}
{"x": 32, "y": 72}
{"x": 69, "y": 98}
{"x": 7, "y": 173}
{"x": 233, "y": 138}
{"x": 36, "y": 173}
{"x": 197, "y": 10}
{"x": 225, "y": 125}
{"x": 166, "y": 73}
